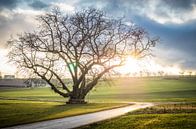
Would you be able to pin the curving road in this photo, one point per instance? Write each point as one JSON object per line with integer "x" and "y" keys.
{"x": 80, "y": 120}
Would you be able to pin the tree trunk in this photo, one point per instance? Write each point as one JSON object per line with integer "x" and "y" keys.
{"x": 76, "y": 100}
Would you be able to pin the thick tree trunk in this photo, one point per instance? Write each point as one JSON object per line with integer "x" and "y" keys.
{"x": 76, "y": 100}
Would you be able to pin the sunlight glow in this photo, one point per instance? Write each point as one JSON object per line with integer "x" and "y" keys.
{"x": 147, "y": 66}
{"x": 5, "y": 67}
{"x": 131, "y": 65}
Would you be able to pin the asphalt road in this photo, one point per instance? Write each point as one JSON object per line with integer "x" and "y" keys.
{"x": 80, "y": 120}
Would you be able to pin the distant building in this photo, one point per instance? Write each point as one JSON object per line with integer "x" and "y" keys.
{"x": 19, "y": 83}
{"x": 9, "y": 76}
{"x": 35, "y": 82}
{"x": 12, "y": 83}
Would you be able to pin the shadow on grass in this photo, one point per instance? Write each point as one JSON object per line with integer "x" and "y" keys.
{"x": 21, "y": 112}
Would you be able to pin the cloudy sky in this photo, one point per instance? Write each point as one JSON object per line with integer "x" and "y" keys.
{"x": 174, "y": 21}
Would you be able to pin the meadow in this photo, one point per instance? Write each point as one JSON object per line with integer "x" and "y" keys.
{"x": 165, "y": 116}
{"x": 118, "y": 90}
{"x": 18, "y": 106}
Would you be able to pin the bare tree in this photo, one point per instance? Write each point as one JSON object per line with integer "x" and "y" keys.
{"x": 190, "y": 73}
{"x": 161, "y": 73}
{"x": 0, "y": 75}
{"x": 84, "y": 46}
{"x": 181, "y": 73}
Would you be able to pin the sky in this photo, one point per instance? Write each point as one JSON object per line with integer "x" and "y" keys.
{"x": 174, "y": 21}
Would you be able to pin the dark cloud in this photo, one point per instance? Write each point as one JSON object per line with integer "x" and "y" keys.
{"x": 180, "y": 4}
{"x": 177, "y": 41}
{"x": 176, "y": 36}
{"x": 14, "y": 23}
{"x": 10, "y": 4}
{"x": 37, "y": 4}
{"x": 189, "y": 64}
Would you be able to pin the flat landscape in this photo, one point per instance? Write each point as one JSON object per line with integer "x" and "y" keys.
{"x": 119, "y": 90}
{"x": 95, "y": 64}
{"x": 26, "y": 105}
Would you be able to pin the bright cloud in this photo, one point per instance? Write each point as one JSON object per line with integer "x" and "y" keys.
{"x": 172, "y": 16}
{"x": 64, "y": 7}
{"x": 5, "y": 67}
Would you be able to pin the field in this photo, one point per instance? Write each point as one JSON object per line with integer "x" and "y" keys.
{"x": 167, "y": 116}
{"x": 120, "y": 90}
{"x": 18, "y": 112}
{"x": 26, "y": 105}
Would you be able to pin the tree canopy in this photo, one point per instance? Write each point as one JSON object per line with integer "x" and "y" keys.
{"x": 83, "y": 46}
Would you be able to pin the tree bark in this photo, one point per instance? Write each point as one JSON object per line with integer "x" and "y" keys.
{"x": 76, "y": 100}
{"x": 77, "y": 97}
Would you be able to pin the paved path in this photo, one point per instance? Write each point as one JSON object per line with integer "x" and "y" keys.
{"x": 80, "y": 120}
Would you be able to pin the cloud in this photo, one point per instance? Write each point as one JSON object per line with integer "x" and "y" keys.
{"x": 177, "y": 45}
{"x": 164, "y": 11}
{"x": 174, "y": 57}
{"x": 37, "y": 4}
{"x": 180, "y": 4}
{"x": 67, "y": 8}
{"x": 9, "y": 4}
{"x": 172, "y": 20}
{"x": 161, "y": 11}
{"x": 15, "y": 22}
{"x": 10, "y": 68}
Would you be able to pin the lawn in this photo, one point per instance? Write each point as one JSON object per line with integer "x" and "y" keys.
{"x": 26, "y": 105}
{"x": 148, "y": 90}
{"x": 120, "y": 90}
{"x": 15, "y": 112}
{"x": 168, "y": 116}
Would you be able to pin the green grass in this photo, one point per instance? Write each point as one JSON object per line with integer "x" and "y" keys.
{"x": 44, "y": 104}
{"x": 45, "y": 94}
{"x": 15, "y": 112}
{"x": 152, "y": 90}
{"x": 169, "y": 116}
{"x": 124, "y": 89}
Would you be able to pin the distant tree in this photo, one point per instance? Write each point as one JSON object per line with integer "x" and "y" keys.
{"x": 0, "y": 76}
{"x": 84, "y": 46}
{"x": 141, "y": 73}
{"x": 161, "y": 73}
{"x": 181, "y": 73}
{"x": 154, "y": 74}
{"x": 148, "y": 74}
{"x": 190, "y": 73}
{"x": 134, "y": 74}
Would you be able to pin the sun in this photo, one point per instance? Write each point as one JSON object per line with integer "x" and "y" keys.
{"x": 131, "y": 65}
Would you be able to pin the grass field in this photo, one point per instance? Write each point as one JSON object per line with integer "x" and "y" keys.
{"x": 120, "y": 90}
{"x": 26, "y": 105}
{"x": 168, "y": 116}
{"x": 15, "y": 112}
{"x": 151, "y": 90}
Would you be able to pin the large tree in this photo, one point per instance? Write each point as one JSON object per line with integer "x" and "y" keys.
{"x": 83, "y": 46}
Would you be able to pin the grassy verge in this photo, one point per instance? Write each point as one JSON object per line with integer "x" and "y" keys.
{"x": 15, "y": 112}
{"x": 168, "y": 116}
